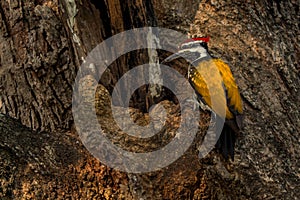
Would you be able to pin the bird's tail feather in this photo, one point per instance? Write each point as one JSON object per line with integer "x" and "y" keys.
{"x": 226, "y": 142}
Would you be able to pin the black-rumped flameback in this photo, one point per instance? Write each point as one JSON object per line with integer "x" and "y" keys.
{"x": 196, "y": 52}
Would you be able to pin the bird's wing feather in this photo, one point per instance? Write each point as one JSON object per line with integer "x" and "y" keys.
{"x": 209, "y": 88}
{"x": 234, "y": 101}
{"x": 211, "y": 82}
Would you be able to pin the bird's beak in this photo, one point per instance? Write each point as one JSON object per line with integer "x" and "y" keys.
{"x": 173, "y": 57}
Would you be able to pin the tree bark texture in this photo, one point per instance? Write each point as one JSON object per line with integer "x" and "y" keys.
{"x": 43, "y": 44}
{"x": 260, "y": 41}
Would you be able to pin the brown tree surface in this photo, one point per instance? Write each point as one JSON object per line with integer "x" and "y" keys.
{"x": 43, "y": 44}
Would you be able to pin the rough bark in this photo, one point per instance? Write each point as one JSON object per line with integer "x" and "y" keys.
{"x": 41, "y": 165}
{"x": 260, "y": 41}
{"x": 44, "y": 42}
{"x": 36, "y": 64}
{"x": 40, "y": 42}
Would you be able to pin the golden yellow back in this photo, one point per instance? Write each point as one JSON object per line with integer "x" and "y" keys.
{"x": 213, "y": 81}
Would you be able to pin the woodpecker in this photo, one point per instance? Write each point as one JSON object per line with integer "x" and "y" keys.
{"x": 195, "y": 51}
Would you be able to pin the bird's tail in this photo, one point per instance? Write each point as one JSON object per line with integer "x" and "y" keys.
{"x": 226, "y": 142}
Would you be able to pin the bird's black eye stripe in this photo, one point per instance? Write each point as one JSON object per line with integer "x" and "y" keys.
{"x": 204, "y": 44}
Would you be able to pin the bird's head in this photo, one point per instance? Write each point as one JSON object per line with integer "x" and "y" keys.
{"x": 191, "y": 49}
{"x": 194, "y": 43}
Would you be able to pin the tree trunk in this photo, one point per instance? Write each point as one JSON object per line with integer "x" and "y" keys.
{"x": 44, "y": 43}
{"x": 260, "y": 41}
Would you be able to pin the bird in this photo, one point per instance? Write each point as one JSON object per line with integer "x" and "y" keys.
{"x": 203, "y": 69}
